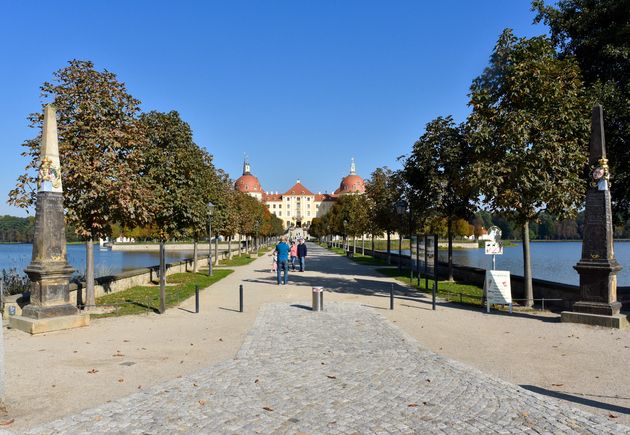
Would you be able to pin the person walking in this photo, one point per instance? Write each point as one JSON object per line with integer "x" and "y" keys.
{"x": 282, "y": 249}
{"x": 301, "y": 252}
{"x": 293, "y": 253}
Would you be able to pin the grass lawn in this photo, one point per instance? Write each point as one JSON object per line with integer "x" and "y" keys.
{"x": 236, "y": 260}
{"x": 452, "y": 291}
{"x": 142, "y": 299}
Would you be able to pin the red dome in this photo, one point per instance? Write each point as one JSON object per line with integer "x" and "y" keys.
{"x": 248, "y": 183}
{"x": 351, "y": 184}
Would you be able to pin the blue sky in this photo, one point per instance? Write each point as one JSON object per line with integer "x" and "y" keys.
{"x": 300, "y": 86}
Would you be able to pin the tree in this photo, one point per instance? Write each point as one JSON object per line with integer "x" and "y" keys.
{"x": 353, "y": 210}
{"x": 101, "y": 151}
{"x": 225, "y": 219}
{"x": 597, "y": 34}
{"x": 177, "y": 170}
{"x": 438, "y": 171}
{"x": 381, "y": 189}
{"x": 529, "y": 124}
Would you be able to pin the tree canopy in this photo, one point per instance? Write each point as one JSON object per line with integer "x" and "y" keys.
{"x": 100, "y": 148}
{"x": 597, "y": 34}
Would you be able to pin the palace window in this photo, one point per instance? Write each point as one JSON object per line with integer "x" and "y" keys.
{"x": 274, "y": 206}
{"x": 279, "y": 213}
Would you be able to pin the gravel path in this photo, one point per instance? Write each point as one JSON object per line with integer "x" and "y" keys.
{"x": 344, "y": 370}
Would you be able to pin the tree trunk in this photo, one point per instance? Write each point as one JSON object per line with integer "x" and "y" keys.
{"x": 230, "y": 247}
{"x": 162, "y": 276}
{"x": 527, "y": 268}
{"x": 372, "y": 244}
{"x": 247, "y": 244}
{"x": 354, "y": 244}
{"x": 363, "y": 244}
{"x": 90, "y": 298}
{"x": 195, "y": 251}
{"x": 389, "y": 246}
{"x": 450, "y": 249}
{"x": 240, "y": 244}
{"x": 216, "y": 251}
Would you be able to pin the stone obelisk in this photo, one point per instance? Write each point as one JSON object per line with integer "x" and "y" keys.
{"x": 49, "y": 271}
{"x": 598, "y": 267}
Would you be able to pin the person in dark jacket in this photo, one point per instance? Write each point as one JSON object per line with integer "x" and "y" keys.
{"x": 301, "y": 252}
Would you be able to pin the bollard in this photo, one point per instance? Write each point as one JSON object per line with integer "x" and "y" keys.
{"x": 391, "y": 297}
{"x": 197, "y": 299}
{"x": 433, "y": 292}
{"x": 240, "y": 298}
{"x": 318, "y": 299}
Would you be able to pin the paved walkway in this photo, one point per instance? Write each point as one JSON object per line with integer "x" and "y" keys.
{"x": 344, "y": 370}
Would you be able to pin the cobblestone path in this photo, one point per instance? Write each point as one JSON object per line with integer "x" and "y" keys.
{"x": 344, "y": 370}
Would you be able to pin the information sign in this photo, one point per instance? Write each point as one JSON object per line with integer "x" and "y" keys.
{"x": 497, "y": 287}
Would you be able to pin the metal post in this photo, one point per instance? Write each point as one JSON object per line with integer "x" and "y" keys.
{"x": 426, "y": 263}
{"x": 433, "y": 293}
{"x": 435, "y": 267}
{"x": 494, "y": 262}
{"x": 197, "y": 299}
{"x": 240, "y": 298}
{"x": 162, "y": 277}
{"x": 418, "y": 258}
{"x": 543, "y": 304}
{"x": 391, "y": 297}
{"x": 210, "y": 246}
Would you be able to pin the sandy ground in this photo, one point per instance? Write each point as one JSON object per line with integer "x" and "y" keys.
{"x": 55, "y": 374}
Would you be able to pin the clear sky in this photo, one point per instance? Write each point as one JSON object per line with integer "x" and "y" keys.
{"x": 300, "y": 86}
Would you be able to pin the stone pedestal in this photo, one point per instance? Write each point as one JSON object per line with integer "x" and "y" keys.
{"x": 598, "y": 266}
{"x": 49, "y": 273}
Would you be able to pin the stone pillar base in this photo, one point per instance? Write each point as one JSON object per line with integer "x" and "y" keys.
{"x": 40, "y": 326}
{"x": 602, "y": 308}
{"x": 45, "y": 312}
{"x": 617, "y": 321}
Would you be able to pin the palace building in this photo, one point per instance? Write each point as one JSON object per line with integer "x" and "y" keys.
{"x": 298, "y": 206}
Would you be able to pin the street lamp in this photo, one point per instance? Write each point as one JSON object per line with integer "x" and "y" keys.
{"x": 210, "y": 213}
{"x": 401, "y": 208}
{"x": 345, "y": 234}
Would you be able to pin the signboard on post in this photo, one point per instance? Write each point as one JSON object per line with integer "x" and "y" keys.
{"x": 494, "y": 248}
{"x": 497, "y": 288}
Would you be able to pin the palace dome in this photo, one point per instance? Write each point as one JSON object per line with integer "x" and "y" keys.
{"x": 248, "y": 183}
{"x": 351, "y": 184}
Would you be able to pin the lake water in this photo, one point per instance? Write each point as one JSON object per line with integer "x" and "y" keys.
{"x": 551, "y": 261}
{"x": 106, "y": 261}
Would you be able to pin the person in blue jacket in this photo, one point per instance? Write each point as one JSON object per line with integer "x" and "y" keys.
{"x": 301, "y": 251}
{"x": 282, "y": 249}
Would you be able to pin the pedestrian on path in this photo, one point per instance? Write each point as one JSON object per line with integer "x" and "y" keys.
{"x": 282, "y": 249}
{"x": 301, "y": 252}
{"x": 293, "y": 255}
